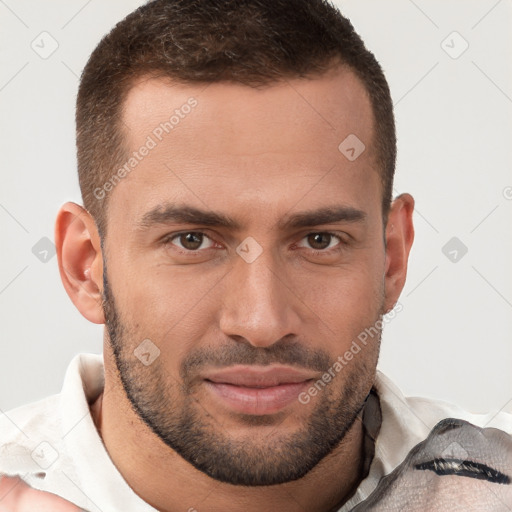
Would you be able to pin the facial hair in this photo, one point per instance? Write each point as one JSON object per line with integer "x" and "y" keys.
{"x": 169, "y": 406}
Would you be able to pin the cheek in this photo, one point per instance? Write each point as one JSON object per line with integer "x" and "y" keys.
{"x": 173, "y": 307}
{"x": 347, "y": 303}
{"x": 351, "y": 291}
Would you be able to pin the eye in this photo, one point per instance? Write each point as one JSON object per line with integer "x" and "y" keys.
{"x": 191, "y": 241}
{"x": 320, "y": 241}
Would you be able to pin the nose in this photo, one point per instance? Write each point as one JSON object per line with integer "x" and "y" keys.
{"x": 259, "y": 305}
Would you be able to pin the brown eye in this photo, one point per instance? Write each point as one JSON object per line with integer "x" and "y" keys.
{"x": 319, "y": 241}
{"x": 192, "y": 241}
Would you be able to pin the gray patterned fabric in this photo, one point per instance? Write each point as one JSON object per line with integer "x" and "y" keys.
{"x": 459, "y": 467}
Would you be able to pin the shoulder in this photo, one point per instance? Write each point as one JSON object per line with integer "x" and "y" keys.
{"x": 22, "y": 431}
{"x": 457, "y": 465}
{"x": 32, "y": 436}
{"x": 432, "y": 454}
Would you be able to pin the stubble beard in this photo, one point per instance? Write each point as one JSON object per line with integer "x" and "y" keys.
{"x": 170, "y": 409}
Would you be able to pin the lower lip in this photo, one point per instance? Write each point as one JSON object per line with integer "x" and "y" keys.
{"x": 257, "y": 401}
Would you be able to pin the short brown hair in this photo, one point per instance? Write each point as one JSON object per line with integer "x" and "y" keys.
{"x": 253, "y": 42}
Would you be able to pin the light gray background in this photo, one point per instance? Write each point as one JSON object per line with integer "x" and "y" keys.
{"x": 451, "y": 341}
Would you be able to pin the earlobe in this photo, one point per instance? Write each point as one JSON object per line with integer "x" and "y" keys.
{"x": 399, "y": 239}
{"x": 80, "y": 260}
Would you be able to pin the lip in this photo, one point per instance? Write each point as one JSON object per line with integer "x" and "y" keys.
{"x": 257, "y": 390}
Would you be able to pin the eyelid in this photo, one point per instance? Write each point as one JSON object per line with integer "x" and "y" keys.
{"x": 339, "y": 236}
{"x": 170, "y": 237}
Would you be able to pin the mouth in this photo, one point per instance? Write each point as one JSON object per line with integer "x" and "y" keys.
{"x": 257, "y": 390}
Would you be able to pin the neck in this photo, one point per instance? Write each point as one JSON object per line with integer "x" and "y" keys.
{"x": 168, "y": 483}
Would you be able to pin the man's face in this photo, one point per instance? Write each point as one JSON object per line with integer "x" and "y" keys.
{"x": 244, "y": 316}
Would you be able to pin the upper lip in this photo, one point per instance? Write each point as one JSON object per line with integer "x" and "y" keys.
{"x": 259, "y": 376}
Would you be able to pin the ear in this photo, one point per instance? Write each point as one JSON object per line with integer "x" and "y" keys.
{"x": 80, "y": 260}
{"x": 399, "y": 238}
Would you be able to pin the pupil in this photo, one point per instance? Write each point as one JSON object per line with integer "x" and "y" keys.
{"x": 319, "y": 240}
{"x": 191, "y": 240}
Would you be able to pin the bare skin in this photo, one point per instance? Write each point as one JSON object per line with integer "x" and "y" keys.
{"x": 258, "y": 157}
{"x": 17, "y": 496}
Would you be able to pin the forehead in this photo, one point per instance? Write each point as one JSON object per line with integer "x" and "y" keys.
{"x": 225, "y": 140}
{"x": 328, "y": 106}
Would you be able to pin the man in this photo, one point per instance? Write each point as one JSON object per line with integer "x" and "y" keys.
{"x": 239, "y": 241}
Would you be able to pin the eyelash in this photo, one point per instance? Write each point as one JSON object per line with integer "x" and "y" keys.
{"x": 322, "y": 252}
{"x": 167, "y": 241}
{"x": 317, "y": 252}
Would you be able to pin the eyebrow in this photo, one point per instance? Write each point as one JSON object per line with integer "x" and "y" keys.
{"x": 326, "y": 215}
{"x": 174, "y": 214}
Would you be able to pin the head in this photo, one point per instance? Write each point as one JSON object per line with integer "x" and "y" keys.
{"x": 236, "y": 163}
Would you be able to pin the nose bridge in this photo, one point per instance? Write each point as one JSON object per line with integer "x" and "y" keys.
{"x": 257, "y": 305}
